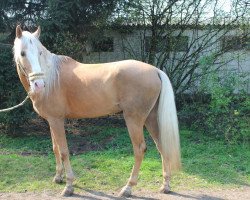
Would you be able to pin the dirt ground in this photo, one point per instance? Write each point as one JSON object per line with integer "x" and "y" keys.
{"x": 204, "y": 194}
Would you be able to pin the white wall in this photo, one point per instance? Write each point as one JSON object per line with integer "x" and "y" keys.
{"x": 133, "y": 41}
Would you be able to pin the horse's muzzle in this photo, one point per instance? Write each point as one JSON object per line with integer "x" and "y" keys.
{"x": 37, "y": 81}
{"x": 37, "y": 85}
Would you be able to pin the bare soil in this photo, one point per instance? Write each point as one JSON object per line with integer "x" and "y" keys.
{"x": 204, "y": 194}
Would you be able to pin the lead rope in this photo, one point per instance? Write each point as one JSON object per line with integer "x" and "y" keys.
{"x": 30, "y": 77}
{"x": 26, "y": 98}
{"x": 14, "y": 107}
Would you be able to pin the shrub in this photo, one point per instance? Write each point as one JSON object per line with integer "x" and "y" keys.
{"x": 224, "y": 112}
{"x": 11, "y": 93}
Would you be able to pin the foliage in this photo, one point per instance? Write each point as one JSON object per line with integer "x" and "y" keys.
{"x": 27, "y": 163}
{"x": 66, "y": 43}
{"x": 221, "y": 110}
{"x": 11, "y": 93}
{"x": 25, "y": 12}
{"x": 77, "y": 18}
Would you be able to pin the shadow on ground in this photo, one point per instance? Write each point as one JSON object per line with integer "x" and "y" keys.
{"x": 147, "y": 195}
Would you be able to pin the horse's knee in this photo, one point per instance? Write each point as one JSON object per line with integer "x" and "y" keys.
{"x": 142, "y": 148}
{"x": 139, "y": 150}
{"x": 64, "y": 155}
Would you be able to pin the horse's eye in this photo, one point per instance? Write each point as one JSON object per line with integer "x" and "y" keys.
{"x": 22, "y": 53}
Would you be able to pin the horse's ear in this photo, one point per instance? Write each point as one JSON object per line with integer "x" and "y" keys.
{"x": 18, "y": 31}
{"x": 37, "y": 32}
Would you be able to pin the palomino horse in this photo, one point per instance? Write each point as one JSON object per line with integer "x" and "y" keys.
{"x": 60, "y": 87}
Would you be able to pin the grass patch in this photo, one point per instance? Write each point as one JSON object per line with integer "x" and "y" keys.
{"x": 27, "y": 163}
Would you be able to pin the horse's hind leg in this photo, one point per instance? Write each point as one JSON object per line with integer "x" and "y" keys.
{"x": 135, "y": 129}
{"x": 152, "y": 126}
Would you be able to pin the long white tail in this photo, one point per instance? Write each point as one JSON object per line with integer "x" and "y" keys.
{"x": 168, "y": 124}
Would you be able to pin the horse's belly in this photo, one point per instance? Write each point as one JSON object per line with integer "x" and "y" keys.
{"x": 91, "y": 113}
{"x": 91, "y": 109}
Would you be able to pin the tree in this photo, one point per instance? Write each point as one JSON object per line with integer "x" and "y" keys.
{"x": 182, "y": 36}
{"x": 25, "y": 12}
{"x": 60, "y": 19}
{"x": 74, "y": 21}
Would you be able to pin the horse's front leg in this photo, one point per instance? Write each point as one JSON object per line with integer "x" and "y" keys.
{"x": 57, "y": 128}
{"x": 59, "y": 165}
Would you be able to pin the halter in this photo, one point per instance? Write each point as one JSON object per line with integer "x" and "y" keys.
{"x": 20, "y": 67}
{"x": 31, "y": 76}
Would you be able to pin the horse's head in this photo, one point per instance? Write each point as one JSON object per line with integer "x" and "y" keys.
{"x": 28, "y": 56}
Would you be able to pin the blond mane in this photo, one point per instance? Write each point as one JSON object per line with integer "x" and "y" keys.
{"x": 52, "y": 74}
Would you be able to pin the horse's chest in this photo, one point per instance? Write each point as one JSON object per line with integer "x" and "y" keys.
{"x": 39, "y": 109}
{"x": 48, "y": 109}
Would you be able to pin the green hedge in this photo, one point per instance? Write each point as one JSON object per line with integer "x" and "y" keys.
{"x": 11, "y": 93}
{"x": 219, "y": 110}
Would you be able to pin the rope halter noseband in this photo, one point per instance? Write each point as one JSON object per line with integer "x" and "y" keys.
{"x": 31, "y": 76}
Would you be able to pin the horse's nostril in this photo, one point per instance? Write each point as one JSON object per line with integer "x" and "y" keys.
{"x": 39, "y": 85}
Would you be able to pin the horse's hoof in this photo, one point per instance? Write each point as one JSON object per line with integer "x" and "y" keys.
{"x": 68, "y": 191}
{"x": 58, "y": 179}
{"x": 165, "y": 189}
{"x": 126, "y": 191}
